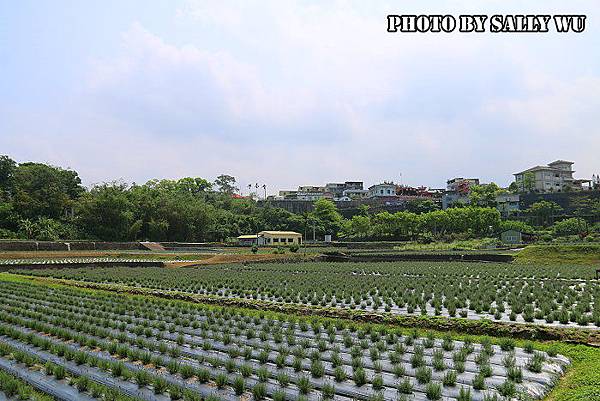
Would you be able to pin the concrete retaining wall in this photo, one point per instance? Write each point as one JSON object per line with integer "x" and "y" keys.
{"x": 70, "y": 265}
{"x": 12, "y": 245}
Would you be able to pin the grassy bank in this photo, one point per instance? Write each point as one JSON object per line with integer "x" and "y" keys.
{"x": 587, "y": 254}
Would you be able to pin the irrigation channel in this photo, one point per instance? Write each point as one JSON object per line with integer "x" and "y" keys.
{"x": 155, "y": 349}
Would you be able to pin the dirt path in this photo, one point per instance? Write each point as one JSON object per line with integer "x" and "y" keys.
{"x": 233, "y": 258}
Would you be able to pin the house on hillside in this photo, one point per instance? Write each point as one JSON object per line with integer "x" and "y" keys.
{"x": 554, "y": 177}
{"x": 457, "y": 191}
{"x": 387, "y": 189}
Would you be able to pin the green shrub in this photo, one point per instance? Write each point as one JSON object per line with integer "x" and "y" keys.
{"x": 239, "y": 385}
{"x": 377, "y": 382}
{"x": 259, "y": 391}
{"x": 328, "y": 391}
{"x": 479, "y": 382}
{"x": 221, "y": 380}
{"x": 359, "y": 376}
{"x": 450, "y": 378}
{"x": 433, "y": 391}
{"x": 160, "y": 385}
{"x": 340, "y": 374}
{"x": 464, "y": 394}
{"x": 304, "y": 385}
{"x": 317, "y": 369}
{"x": 405, "y": 387}
{"x": 507, "y": 389}
{"x": 279, "y": 395}
{"x": 423, "y": 375}
{"x": 82, "y": 383}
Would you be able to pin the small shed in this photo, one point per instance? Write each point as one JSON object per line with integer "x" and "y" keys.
{"x": 517, "y": 237}
{"x": 249, "y": 240}
{"x": 511, "y": 237}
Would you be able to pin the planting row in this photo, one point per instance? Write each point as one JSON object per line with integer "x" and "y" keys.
{"x": 540, "y": 295}
{"x": 269, "y": 356}
{"x": 25, "y": 376}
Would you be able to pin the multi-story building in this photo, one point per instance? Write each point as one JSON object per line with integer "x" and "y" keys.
{"x": 337, "y": 188}
{"x": 356, "y": 193}
{"x": 458, "y": 190}
{"x": 386, "y": 189}
{"x": 508, "y": 204}
{"x": 287, "y": 194}
{"x": 310, "y": 188}
{"x": 554, "y": 177}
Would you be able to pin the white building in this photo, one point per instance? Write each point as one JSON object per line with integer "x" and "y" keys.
{"x": 386, "y": 189}
{"x": 554, "y": 177}
{"x": 356, "y": 193}
{"x": 310, "y": 196}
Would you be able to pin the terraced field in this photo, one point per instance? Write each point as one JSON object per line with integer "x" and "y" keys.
{"x": 115, "y": 346}
{"x": 543, "y": 295}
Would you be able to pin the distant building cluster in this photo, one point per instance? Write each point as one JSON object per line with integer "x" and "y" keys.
{"x": 335, "y": 191}
{"x": 353, "y": 191}
{"x": 553, "y": 178}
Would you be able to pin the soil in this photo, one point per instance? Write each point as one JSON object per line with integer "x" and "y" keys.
{"x": 233, "y": 258}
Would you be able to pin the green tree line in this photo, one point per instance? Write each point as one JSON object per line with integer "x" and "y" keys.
{"x": 39, "y": 201}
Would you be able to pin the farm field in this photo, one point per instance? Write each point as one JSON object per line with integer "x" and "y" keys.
{"x": 565, "y": 296}
{"x": 107, "y": 345}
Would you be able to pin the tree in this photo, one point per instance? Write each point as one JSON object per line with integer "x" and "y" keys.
{"x": 514, "y": 187}
{"x": 357, "y": 227}
{"x": 528, "y": 184}
{"x": 226, "y": 184}
{"x": 587, "y": 207}
{"x": 7, "y": 170}
{"x": 46, "y": 191}
{"x": 195, "y": 185}
{"x": 544, "y": 211}
{"x": 326, "y": 217}
{"x": 420, "y": 206}
{"x": 363, "y": 210}
{"x": 484, "y": 195}
{"x": 106, "y": 212}
{"x": 8, "y": 217}
{"x": 572, "y": 226}
{"x": 516, "y": 225}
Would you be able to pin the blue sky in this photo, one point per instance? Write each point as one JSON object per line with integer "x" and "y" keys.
{"x": 293, "y": 92}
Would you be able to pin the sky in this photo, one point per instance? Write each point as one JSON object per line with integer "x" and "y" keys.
{"x": 288, "y": 93}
